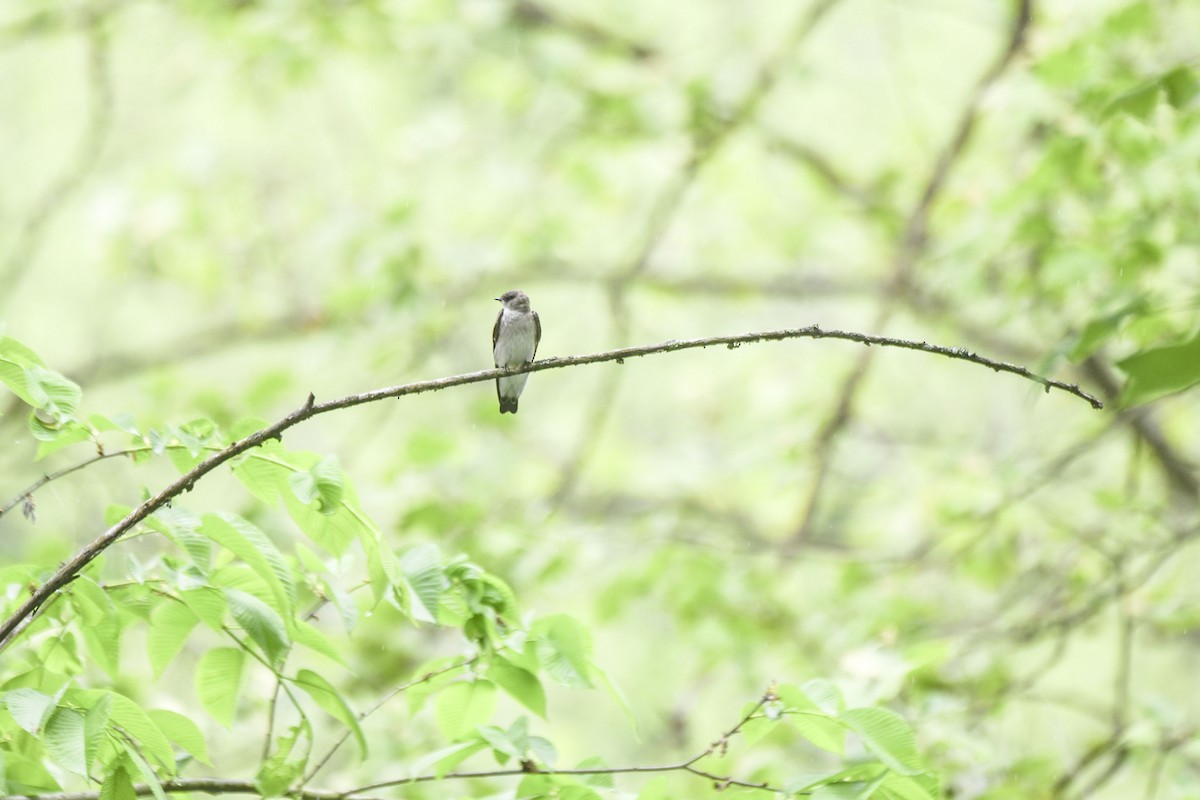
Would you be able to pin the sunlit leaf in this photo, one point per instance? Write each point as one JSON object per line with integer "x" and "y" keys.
{"x": 887, "y": 736}
{"x": 331, "y": 701}
{"x": 218, "y": 682}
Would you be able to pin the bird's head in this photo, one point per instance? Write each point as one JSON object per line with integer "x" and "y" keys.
{"x": 515, "y": 300}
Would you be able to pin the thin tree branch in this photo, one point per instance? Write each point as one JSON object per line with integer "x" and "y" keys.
{"x": 428, "y": 676}
{"x": 67, "y": 572}
{"x": 705, "y": 142}
{"x": 218, "y": 786}
{"x": 913, "y": 242}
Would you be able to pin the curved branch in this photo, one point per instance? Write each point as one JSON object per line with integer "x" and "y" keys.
{"x": 67, "y": 572}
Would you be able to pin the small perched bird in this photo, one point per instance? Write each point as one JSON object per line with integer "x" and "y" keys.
{"x": 514, "y": 343}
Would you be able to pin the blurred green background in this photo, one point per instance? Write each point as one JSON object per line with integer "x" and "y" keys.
{"x": 214, "y": 207}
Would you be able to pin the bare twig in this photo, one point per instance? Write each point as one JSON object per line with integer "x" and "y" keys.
{"x": 311, "y": 408}
{"x": 428, "y": 676}
{"x": 217, "y": 786}
{"x": 913, "y": 242}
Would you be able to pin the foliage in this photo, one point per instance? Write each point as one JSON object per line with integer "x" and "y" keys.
{"x": 797, "y": 569}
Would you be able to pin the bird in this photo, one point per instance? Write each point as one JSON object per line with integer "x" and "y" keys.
{"x": 515, "y": 340}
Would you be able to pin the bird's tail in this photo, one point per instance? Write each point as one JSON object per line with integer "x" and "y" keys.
{"x": 508, "y": 405}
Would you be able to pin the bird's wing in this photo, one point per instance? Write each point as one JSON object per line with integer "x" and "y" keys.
{"x": 496, "y": 329}
{"x": 537, "y": 333}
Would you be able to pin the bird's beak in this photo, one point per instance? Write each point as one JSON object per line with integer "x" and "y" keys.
{"x": 497, "y": 299}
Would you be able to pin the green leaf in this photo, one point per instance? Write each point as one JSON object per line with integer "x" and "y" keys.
{"x": 811, "y": 721}
{"x": 96, "y": 725}
{"x": 502, "y": 746}
{"x": 903, "y": 787}
{"x": 63, "y": 436}
{"x": 447, "y": 758}
{"x": 824, "y": 695}
{"x": 1160, "y": 371}
{"x": 425, "y": 573}
{"x": 322, "y": 484}
{"x": 65, "y": 740}
{"x": 330, "y": 701}
{"x": 564, "y": 650}
{"x": 336, "y": 530}
{"x": 264, "y": 626}
{"x": 1181, "y": 85}
{"x": 522, "y": 684}
{"x": 206, "y": 603}
{"x": 118, "y": 785}
{"x": 132, "y": 719}
{"x": 261, "y": 471}
{"x": 302, "y": 633}
{"x": 253, "y": 547}
{"x": 1100, "y": 329}
{"x": 170, "y": 625}
{"x": 887, "y": 736}
{"x": 14, "y": 359}
{"x": 52, "y": 393}
{"x": 382, "y": 566}
{"x": 29, "y": 708}
{"x": 147, "y": 772}
{"x": 280, "y": 770}
{"x": 1138, "y": 103}
{"x": 182, "y": 731}
{"x": 462, "y": 706}
{"x": 103, "y": 639}
{"x": 218, "y": 681}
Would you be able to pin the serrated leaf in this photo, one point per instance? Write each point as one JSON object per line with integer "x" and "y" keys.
{"x": 330, "y": 700}
{"x": 63, "y": 436}
{"x": 502, "y": 746}
{"x": 824, "y": 695}
{"x": 335, "y": 531}
{"x": 96, "y": 725}
{"x": 66, "y": 740}
{"x": 810, "y": 720}
{"x": 218, "y": 681}
{"x": 903, "y": 787}
{"x": 182, "y": 731}
{"x": 545, "y": 753}
{"x": 208, "y": 604}
{"x": 14, "y": 359}
{"x": 564, "y": 650}
{"x": 280, "y": 770}
{"x": 253, "y": 547}
{"x": 264, "y": 626}
{"x": 29, "y": 708}
{"x": 520, "y": 683}
{"x": 142, "y": 767}
{"x": 262, "y": 473}
{"x": 170, "y": 625}
{"x": 321, "y": 485}
{"x": 118, "y": 785}
{"x": 133, "y": 720}
{"x": 425, "y": 574}
{"x": 308, "y": 636}
{"x": 886, "y": 735}
{"x": 52, "y": 393}
{"x": 462, "y": 706}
